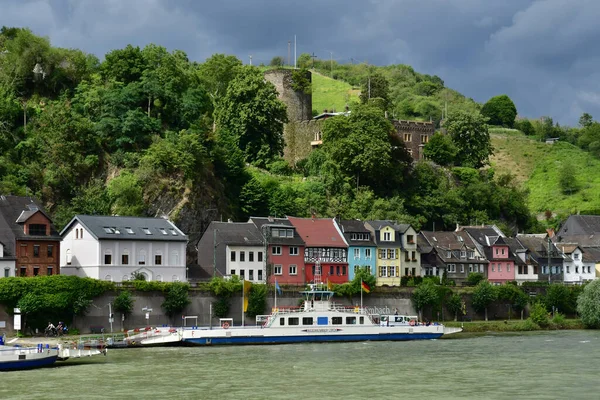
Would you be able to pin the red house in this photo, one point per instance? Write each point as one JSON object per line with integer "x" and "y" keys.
{"x": 325, "y": 252}
{"x": 285, "y": 250}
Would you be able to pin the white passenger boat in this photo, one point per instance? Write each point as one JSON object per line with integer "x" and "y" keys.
{"x": 318, "y": 320}
{"x": 14, "y": 358}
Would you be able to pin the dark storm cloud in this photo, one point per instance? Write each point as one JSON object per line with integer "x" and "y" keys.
{"x": 543, "y": 54}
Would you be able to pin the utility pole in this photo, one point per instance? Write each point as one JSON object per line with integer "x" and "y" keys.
{"x": 313, "y": 60}
{"x": 549, "y": 268}
{"x": 295, "y": 59}
{"x": 289, "y": 46}
{"x": 214, "y": 253}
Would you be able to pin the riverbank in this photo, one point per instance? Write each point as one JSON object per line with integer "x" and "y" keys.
{"x": 513, "y": 326}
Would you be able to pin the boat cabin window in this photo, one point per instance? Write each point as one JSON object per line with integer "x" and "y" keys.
{"x": 293, "y": 321}
{"x": 350, "y": 320}
{"x": 399, "y": 319}
{"x": 282, "y": 321}
{"x": 384, "y": 318}
{"x": 336, "y": 320}
{"x": 362, "y": 320}
{"x": 307, "y": 321}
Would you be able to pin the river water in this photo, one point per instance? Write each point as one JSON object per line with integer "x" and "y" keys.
{"x": 537, "y": 365}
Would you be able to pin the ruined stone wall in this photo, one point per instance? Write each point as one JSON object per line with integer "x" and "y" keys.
{"x": 298, "y": 136}
{"x": 299, "y": 105}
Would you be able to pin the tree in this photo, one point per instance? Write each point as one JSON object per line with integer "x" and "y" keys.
{"x": 484, "y": 295}
{"x": 375, "y": 86}
{"x": 252, "y": 115}
{"x": 585, "y": 120}
{"x": 123, "y": 303}
{"x": 469, "y": 132}
{"x": 125, "y": 192}
{"x": 216, "y": 73}
{"x": 525, "y": 126}
{"x": 304, "y": 61}
{"x": 588, "y": 305}
{"x": 277, "y": 61}
{"x": 454, "y": 304}
{"x": 567, "y": 179}
{"x": 424, "y": 295}
{"x": 500, "y": 110}
{"x": 441, "y": 150}
{"x": 176, "y": 299}
{"x": 558, "y": 298}
{"x": 124, "y": 65}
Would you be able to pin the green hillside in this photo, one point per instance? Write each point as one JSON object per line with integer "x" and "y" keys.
{"x": 331, "y": 94}
{"x": 537, "y": 165}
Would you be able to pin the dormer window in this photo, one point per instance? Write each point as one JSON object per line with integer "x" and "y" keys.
{"x": 173, "y": 232}
{"x": 387, "y": 236}
{"x": 448, "y": 254}
{"x": 129, "y": 230}
{"x": 108, "y": 230}
{"x": 463, "y": 254}
{"x": 37, "y": 229}
{"x": 163, "y": 231}
{"x": 147, "y": 231}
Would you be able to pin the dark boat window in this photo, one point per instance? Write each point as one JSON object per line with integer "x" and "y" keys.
{"x": 362, "y": 320}
{"x": 293, "y": 321}
{"x": 307, "y": 321}
{"x": 282, "y": 321}
{"x": 336, "y": 320}
{"x": 350, "y": 320}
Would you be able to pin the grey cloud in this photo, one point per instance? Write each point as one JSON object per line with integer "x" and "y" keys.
{"x": 541, "y": 53}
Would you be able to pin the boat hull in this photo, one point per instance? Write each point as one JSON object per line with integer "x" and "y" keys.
{"x": 289, "y": 339}
{"x": 11, "y": 365}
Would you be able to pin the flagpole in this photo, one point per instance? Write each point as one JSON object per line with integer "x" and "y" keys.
{"x": 361, "y": 290}
{"x": 275, "y": 293}
{"x": 243, "y": 299}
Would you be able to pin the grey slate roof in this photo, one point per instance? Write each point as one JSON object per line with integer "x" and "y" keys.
{"x": 261, "y": 222}
{"x": 104, "y": 227}
{"x": 348, "y": 227}
{"x": 581, "y": 229}
{"x": 220, "y": 235}
{"x": 591, "y": 254}
{"x": 377, "y": 225}
{"x": 14, "y": 211}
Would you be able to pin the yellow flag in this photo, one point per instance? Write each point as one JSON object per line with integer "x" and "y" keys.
{"x": 329, "y": 285}
{"x": 247, "y": 287}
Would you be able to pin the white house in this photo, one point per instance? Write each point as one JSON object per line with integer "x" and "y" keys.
{"x": 247, "y": 262}
{"x": 576, "y": 269}
{"x": 7, "y": 263}
{"x": 113, "y": 248}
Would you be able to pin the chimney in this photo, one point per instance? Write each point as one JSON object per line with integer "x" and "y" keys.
{"x": 229, "y": 220}
{"x": 457, "y": 227}
{"x": 270, "y": 218}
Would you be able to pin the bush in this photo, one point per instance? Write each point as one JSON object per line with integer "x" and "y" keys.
{"x": 257, "y": 300}
{"x": 280, "y": 167}
{"x": 474, "y": 278}
{"x": 558, "y": 320}
{"x": 538, "y": 314}
{"x": 176, "y": 299}
{"x": 588, "y": 305}
{"x": 123, "y": 303}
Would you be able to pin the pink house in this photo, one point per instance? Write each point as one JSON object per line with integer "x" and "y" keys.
{"x": 502, "y": 265}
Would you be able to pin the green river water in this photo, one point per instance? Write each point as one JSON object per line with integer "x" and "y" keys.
{"x": 538, "y": 365}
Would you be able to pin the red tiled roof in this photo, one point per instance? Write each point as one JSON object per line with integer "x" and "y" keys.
{"x": 318, "y": 232}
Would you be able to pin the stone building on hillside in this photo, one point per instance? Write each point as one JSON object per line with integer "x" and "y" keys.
{"x": 415, "y": 135}
{"x": 301, "y": 129}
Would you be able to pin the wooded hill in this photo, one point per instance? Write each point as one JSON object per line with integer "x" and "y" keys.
{"x": 149, "y": 132}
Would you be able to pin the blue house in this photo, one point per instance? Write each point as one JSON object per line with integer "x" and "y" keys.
{"x": 361, "y": 246}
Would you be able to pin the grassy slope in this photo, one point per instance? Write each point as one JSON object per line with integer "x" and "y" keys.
{"x": 537, "y": 166}
{"x": 329, "y": 93}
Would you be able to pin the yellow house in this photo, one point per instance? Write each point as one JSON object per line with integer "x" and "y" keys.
{"x": 389, "y": 244}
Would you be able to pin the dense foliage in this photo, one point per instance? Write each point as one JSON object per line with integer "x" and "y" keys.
{"x": 500, "y": 110}
{"x": 484, "y": 295}
{"x": 176, "y": 299}
{"x": 588, "y": 305}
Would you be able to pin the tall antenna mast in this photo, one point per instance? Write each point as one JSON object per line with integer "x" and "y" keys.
{"x": 295, "y": 59}
{"x": 289, "y": 44}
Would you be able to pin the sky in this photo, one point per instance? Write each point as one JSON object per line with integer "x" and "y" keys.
{"x": 541, "y": 53}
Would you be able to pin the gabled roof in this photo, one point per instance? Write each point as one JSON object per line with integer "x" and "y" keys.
{"x": 263, "y": 223}
{"x": 14, "y": 212}
{"x": 318, "y": 232}
{"x": 537, "y": 244}
{"x": 482, "y": 233}
{"x": 103, "y": 227}
{"x": 581, "y": 229}
{"x": 591, "y": 254}
{"x": 378, "y": 225}
{"x": 348, "y": 227}
{"x": 567, "y": 248}
{"x": 443, "y": 242}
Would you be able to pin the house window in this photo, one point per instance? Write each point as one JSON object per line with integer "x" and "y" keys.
{"x": 387, "y": 236}
{"x": 81, "y": 233}
{"x": 414, "y": 255}
{"x": 368, "y": 254}
{"x": 6, "y": 272}
{"x": 174, "y": 258}
{"x": 173, "y": 231}
{"x": 68, "y": 254}
{"x": 576, "y": 270}
{"x": 391, "y": 254}
{"x": 462, "y": 267}
{"x": 383, "y": 271}
{"x": 343, "y": 270}
{"x": 125, "y": 258}
{"x": 36, "y": 270}
{"x": 448, "y": 254}
{"x": 406, "y": 272}
{"x": 277, "y": 269}
{"x": 293, "y": 251}
{"x": 23, "y": 250}
{"x": 463, "y": 254}
{"x": 23, "y": 271}
{"x": 392, "y": 271}
{"x": 250, "y": 256}
{"x": 331, "y": 268}
{"x": 410, "y": 239}
{"x": 260, "y": 278}
{"x": 107, "y": 259}
{"x": 276, "y": 250}
{"x": 242, "y": 274}
{"x": 293, "y": 269}
{"x": 142, "y": 258}
{"x": 242, "y": 256}
{"x": 451, "y": 267}
{"x": 589, "y": 269}
{"x": 356, "y": 253}
{"x": 233, "y": 272}
{"x": 507, "y": 267}
{"x": 576, "y": 256}
{"x": 37, "y": 229}
{"x": 232, "y": 256}
{"x": 356, "y": 269}
{"x": 50, "y": 250}
{"x": 251, "y": 275}
{"x": 259, "y": 256}
{"x": 407, "y": 256}
{"x": 499, "y": 267}
{"x": 424, "y": 139}
{"x": 496, "y": 251}
{"x": 36, "y": 250}
{"x": 569, "y": 269}
{"x": 408, "y": 137}
{"x": 158, "y": 259}
{"x": 76, "y": 233}
{"x": 503, "y": 251}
